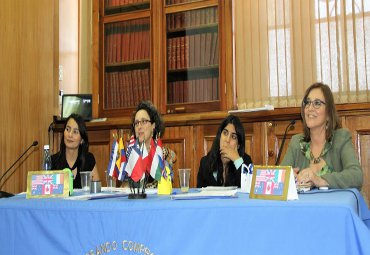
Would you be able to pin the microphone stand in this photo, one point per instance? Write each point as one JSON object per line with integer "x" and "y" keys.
{"x": 4, "y": 193}
{"x": 291, "y": 124}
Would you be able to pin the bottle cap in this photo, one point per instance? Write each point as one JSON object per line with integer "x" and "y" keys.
{"x": 46, "y": 146}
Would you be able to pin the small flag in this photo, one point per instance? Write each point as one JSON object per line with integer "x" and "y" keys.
{"x": 122, "y": 172}
{"x": 157, "y": 166}
{"x": 134, "y": 167}
{"x": 151, "y": 156}
{"x": 113, "y": 158}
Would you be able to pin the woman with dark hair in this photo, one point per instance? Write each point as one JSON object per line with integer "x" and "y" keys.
{"x": 323, "y": 156}
{"x": 74, "y": 151}
{"x": 147, "y": 123}
{"x": 222, "y": 165}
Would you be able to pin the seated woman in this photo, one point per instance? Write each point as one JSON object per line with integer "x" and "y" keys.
{"x": 74, "y": 151}
{"x": 222, "y": 165}
{"x": 147, "y": 123}
{"x": 324, "y": 155}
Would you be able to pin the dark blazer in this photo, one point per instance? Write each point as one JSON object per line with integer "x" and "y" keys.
{"x": 206, "y": 178}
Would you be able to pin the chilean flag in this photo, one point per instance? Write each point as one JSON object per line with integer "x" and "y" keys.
{"x": 134, "y": 167}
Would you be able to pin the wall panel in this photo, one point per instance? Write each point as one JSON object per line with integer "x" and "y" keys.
{"x": 27, "y": 83}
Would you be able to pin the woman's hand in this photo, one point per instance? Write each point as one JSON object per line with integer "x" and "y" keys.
{"x": 309, "y": 177}
{"x": 229, "y": 154}
{"x": 304, "y": 177}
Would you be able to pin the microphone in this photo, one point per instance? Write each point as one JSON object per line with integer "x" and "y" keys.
{"x": 291, "y": 124}
{"x": 6, "y": 194}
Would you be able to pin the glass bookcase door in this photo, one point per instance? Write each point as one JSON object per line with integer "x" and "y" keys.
{"x": 193, "y": 60}
{"x": 127, "y": 63}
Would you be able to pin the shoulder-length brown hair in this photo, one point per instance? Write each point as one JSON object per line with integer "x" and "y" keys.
{"x": 331, "y": 112}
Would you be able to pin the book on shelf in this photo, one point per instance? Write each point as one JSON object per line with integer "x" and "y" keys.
{"x": 197, "y": 50}
{"x": 147, "y": 86}
{"x": 134, "y": 87}
{"x": 191, "y": 50}
{"x": 186, "y": 52}
{"x": 203, "y": 47}
{"x": 169, "y": 54}
{"x": 118, "y": 38}
{"x": 121, "y": 90}
{"x": 216, "y": 51}
{"x": 182, "y": 52}
{"x": 215, "y": 88}
{"x": 208, "y": 47}
{"x": 133, "y": 41}
{"x": 178, "y": 52}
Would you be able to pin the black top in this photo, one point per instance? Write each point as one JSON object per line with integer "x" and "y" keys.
{"x": 59, "y": 163}
{"x": 206, "y": 178}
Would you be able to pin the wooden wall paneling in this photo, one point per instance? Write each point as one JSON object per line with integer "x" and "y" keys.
{"x": 95, "y": 58}
{"x": 360, "y": 129}
{"x": 253, "y": 142}
{"x": 363, "y": 145}
{"x": 100, "y": 145}
{"x": 205, "y": 136}
{"x": 275, "y": 134}
{"x": 180, "y": 140}
{"x": 28, "y": 91}
{"x": 55, "y": 142}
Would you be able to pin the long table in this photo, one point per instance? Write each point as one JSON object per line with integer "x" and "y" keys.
{"x": 331, "y": 222}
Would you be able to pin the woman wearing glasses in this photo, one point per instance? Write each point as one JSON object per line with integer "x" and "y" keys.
{"x": 222, "y": 165}
{"x": 147, "y": 123}
{"x": 323, "y": 156}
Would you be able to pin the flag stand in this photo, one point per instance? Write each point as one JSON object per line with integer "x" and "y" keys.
{"x": 135, "y": 187}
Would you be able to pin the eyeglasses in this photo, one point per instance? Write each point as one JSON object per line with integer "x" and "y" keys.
{"x": 316, "y": 103}
{"x": 140, "y": 122}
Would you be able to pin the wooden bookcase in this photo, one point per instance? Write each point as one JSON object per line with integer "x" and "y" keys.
{"x": 176, "y": 53}
{"x": 125, "y": 45}
{"x": 192, "y": 57}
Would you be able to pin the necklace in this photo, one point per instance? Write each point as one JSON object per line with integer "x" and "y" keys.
{"x": 315, "y": 160}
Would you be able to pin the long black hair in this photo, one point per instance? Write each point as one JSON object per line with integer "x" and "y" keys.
{"x": 214, "y": 153}
{"x": 83, "y": 148}
{"x": 154, "y": 116}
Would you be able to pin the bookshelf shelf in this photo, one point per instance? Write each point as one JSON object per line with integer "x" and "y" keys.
{"x": 116, "y": 6}
{"x": 195, "y": 72}
{"x": 129, "y": 65}
{"x": 192, "y": 30}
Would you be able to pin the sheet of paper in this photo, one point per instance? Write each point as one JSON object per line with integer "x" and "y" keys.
{"x": 101, "y": 195}
{"x": 218, "y": 188}
{"x": 206, "y": 194}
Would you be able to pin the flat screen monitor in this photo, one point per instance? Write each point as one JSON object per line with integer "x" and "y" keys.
{"x": 77, "y": 103}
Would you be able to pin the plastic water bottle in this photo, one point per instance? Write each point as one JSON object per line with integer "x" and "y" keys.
{"x": 46, "y": 160}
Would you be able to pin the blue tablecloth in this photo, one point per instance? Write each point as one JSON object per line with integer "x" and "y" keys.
{"x": 318, "y": 223}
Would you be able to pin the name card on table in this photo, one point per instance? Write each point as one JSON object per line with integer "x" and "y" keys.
{"x": 45, "y": 184}
{"x": 273, "y": 183}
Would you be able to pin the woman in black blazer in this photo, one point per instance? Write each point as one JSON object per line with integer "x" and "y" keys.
{"x": 222, "y": 165}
